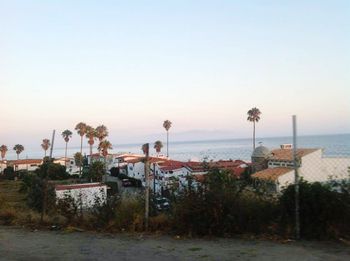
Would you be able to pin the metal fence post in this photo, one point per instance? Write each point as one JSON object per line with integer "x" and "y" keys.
{"x": 296, "y": 178}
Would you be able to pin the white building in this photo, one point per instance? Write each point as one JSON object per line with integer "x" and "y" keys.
{"x": 71, "y": 168}
{"x": 85, "y": 193}
{"x": 25, "y": 164}
{"x": 313, "y": 167}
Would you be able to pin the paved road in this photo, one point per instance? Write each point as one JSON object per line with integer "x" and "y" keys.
{"x": 20, "y": 244}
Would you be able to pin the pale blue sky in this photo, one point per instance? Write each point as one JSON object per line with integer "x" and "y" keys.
{"x": 201, "y": 64}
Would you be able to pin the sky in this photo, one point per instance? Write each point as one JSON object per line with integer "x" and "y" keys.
{"x": 130, "y": 65}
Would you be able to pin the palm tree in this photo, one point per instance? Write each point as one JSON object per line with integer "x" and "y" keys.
{"x": 18, "y": 148}
{"x": 167, "y": 126}
{"x": 253, "y": 116}
{"x": 101, "y": 132}
{"x": 67, "y": 134}
{"x": 103, "y": 147}
{"x": 145, "y": 148}
{"x": 3, "y": 150}
{"x": 46, "y": 145}
{"x": 158, "y": 145}
{"x": 91, "y": 134}
{"x": 81, "y": 129}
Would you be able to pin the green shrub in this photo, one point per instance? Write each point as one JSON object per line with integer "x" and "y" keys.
{"x": 324, "y": 212}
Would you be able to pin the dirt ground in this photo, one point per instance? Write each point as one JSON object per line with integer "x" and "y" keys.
{"x": 23, "y": 244}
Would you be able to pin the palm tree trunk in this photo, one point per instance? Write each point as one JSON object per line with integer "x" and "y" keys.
{"x": 167, "y": 143}
{"x": 90, "y": 153}
{"x": 253, "y": 135}
{"x": 81, "y": 152}
{"x": 45, "y": 154}
{"x": 65, "y": 156}
{"x": 17, "y": 156}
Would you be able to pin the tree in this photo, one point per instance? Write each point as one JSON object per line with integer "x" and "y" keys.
{"x": 81, "y": 129}
{"x": 18, "y": 148}
{"x": 67, "y": 134}
{"x": 158, "y": 145}
{"x": 103, "y": 147}
{"x": 46, "y": 145}
{"x": 253, "y": 116}
{"x": 101, "y": 132}
{"x": 167, "y": 126}
{"x": 96, "y": 171}
{"x": 91, "y": 134}
{"x": 3, "y": 150}
{"x": 78, "y": 159}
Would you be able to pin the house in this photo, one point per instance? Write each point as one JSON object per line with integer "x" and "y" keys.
{"x": 313, "y": 166}
{"x": 25, "y": 164}
{"x": 85, "y": 194}
{"x": 69, "y": 163}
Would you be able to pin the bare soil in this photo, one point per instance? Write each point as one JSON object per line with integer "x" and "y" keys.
{"x": 23, "y": 244}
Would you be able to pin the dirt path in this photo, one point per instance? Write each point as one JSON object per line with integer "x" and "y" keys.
{"x": 20, "y": 244}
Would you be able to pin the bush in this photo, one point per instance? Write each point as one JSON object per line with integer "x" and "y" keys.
{"x": 222, "y": 205}
{"x": 68, "y": 208}
{"x": 129, "y": 214}
{"x": 324, "y": 212}
{"x": 7, "y": 216}
{"x": 36, "y": 193}
{"x": 9, "y": 173}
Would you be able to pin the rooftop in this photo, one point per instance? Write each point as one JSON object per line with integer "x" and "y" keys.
{"x": 287, "y": 154}
{"x": 271, "y": 173}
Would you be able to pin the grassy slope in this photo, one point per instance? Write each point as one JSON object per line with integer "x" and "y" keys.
{"x": 9, "y": 192}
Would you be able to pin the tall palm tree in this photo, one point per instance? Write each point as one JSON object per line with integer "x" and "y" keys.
{"x": 158, "y": 145}
{"x": 103, "y": 147}
{"x": 101, "y": 132}
{"x": 18, "y": 148}
{"x": 91, "y": 134}
{"x": 45, "y": 145}
{"x": 254, "y": 116}
{"x": 167, "y": 126}
{"x": 3, "y": 150}
{"x": 81, "y": 129}
{"x": 66, "y": 134}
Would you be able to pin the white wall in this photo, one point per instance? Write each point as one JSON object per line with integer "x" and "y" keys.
{"x": 87, "y": 195}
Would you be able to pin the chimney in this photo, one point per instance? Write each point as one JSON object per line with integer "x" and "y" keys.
{"x": 286, "y": 146}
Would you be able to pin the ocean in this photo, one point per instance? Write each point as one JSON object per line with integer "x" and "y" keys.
{"x": 333, "y": 145}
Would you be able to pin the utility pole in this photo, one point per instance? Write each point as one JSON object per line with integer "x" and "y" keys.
{"x": 146, "y": 151}
{"x": 296, "y": 178}
{"x": 45, "y": 181}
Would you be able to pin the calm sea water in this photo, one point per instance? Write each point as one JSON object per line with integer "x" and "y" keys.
{"x": 333, "y": 145}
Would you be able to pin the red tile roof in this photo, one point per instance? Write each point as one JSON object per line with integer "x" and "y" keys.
{"x": 79, "y": 186}
{"x": 287, "y": 154}
{"x": 271, "y": 173}
{"x": 25, "y": 161}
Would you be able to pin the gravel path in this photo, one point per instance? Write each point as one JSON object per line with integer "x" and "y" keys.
{"x": 21, "y": 244}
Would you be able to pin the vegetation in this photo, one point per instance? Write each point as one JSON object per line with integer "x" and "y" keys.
{"x": 254, "y": 116}
{"x": 222, "y": 205}
{"x": 18, "y": 148}
{"x": 45, "y": 145}
{"x": 66, "y": 134}
{"x": 167, "y": 125}
{"x": 158, "y": 145}
{"x": 101, "y": 132}
{"x": 91, "y": 135}
{"x": 3, "y": 151}
{"x": 96, "y": 171}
